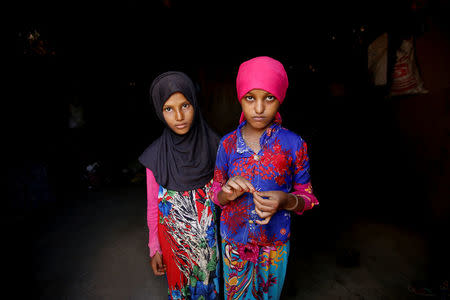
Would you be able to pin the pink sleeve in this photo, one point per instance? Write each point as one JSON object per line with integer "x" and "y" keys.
{"x": 214, "y": 191}
{"x": 305, "y": 191}
{"x": 152, "y": 213}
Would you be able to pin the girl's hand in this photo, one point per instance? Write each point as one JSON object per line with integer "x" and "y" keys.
{"x": 159, "y": 268}
{"x": 268, "y": 203}
{"x": 235, "y": 187}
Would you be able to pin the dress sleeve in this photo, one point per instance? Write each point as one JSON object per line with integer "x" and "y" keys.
{"x": 220, "y": 175}
{"x": 152, "y": 213}
{"x": 302, "y": 182}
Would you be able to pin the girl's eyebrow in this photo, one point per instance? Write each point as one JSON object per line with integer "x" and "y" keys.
{"x": 251, "y": 94}
{"x": 168, "y": 105}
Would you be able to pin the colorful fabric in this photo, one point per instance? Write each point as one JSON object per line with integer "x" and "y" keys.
{"x": 187, "y": 236}
{"x": 281, "y": 164}
{"x": 254, "y": 272}
{"x": 263, "y": 73}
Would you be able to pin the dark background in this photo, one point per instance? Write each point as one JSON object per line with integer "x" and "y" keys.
{"x": 363, "y": 156}
{"x": 106, "y": 55}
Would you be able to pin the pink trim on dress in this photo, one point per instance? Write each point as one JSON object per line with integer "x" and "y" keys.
{"x": 305, "y": 191}
{"x": 214, "y": 191}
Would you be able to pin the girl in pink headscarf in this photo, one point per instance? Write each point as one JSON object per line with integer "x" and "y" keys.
{"x": 261, "y": 177}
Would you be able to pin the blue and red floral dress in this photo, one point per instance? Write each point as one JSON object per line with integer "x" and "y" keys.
{"x": 282, "y": 164}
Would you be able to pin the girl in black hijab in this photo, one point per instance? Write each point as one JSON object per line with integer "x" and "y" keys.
{"x": 180, "y": 215}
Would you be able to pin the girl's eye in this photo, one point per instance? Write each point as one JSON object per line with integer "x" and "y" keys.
{"x": 168, "y": 109}
{"x": 186, "y": 105}
{"x": 270, "y": 98}
{"x": 249, "y": 98}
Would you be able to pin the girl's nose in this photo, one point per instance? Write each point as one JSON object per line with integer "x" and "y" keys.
{"x": 259, "y": 106}
{"x": 179, "y": 116}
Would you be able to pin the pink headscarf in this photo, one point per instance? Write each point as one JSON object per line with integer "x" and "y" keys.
{"x": 263, "y": 73}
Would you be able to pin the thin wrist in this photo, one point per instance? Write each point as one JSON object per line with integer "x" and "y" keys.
{"x": 301, "y": 203}
{"x": 293, "y": 206}
{"x": 156, "y": 252}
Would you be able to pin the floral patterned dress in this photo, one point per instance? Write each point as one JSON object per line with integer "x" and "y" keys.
{"x": 187, "y": 235}
{"x": 255, "y": 256}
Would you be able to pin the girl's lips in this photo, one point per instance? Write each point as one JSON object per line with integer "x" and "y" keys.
{"x": 258, "y": 119}
{"x": 181, "y": 126}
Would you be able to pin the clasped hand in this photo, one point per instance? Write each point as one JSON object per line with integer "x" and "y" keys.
{"x": 266, "y": 203}
{"x": 158, "y": 266}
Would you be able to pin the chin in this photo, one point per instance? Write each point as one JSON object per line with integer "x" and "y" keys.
{"x": 179, "y": 132}
{"x": 259, "y": 125}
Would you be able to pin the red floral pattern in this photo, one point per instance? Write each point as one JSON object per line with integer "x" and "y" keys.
{"x": 229, "y": 143}
{"x": 301, "y": 158}
{"x": 281, "y": 164}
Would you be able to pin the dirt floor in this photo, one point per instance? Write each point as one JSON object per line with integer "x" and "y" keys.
{"x": 96, "y": 248}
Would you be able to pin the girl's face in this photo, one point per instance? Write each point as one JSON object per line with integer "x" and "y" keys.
{"x": 178, "y": 113}
{"x": 260, "y": 108}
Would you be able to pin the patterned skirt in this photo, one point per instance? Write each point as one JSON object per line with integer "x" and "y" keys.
{"x": 187, "y": 236}
{"x": 253, "y": 272}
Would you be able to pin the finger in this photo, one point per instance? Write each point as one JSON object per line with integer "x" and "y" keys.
{"x": 234, "y": 185}
{"x": 161, "y": 266}
{"x": 243, "y": 184}
{"x": 265, "y": 221}
{"x": 261, "y": 201}
{"x": 155, "y": 270}
{"x": 246, "y": 183}
{"x": 267, "y": 210}
{"x": 264, "y": 206}
{"x": 258, "y": 198}
{"x": 250, "y": 187}
{"x": 226, "y": 189}
{"x": 265, "y": 194}
{"x": 261, "y": 214}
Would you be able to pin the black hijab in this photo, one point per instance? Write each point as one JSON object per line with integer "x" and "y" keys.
{"x": 180, "y": 162}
